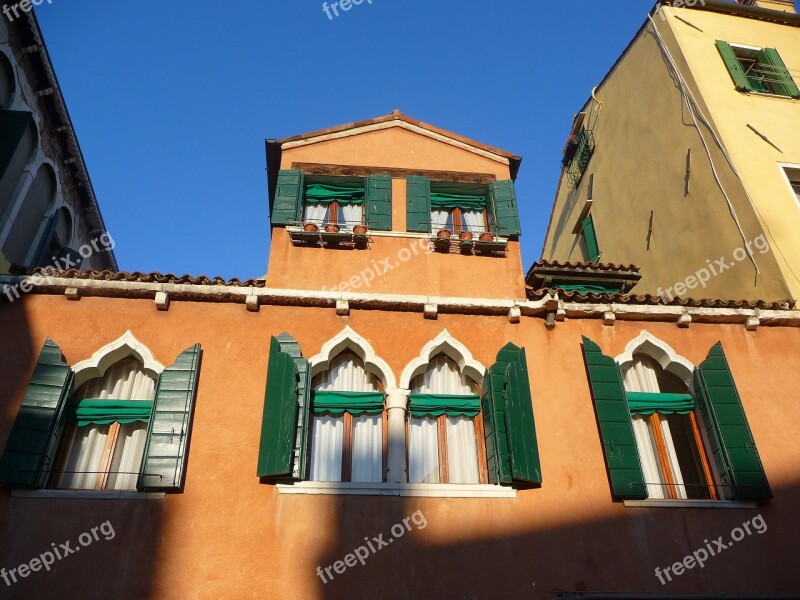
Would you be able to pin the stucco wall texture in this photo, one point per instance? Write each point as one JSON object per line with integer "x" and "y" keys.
{"x": 229, "y": 536}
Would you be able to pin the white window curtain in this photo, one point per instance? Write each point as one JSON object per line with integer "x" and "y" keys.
{"x": 423, "y": 450}
{"x": 125, "y": 380}
{"x": 315, "y": 213}
{"x": 641, "y": 376}
{"x": 441, "y": 219}
{"x": 442, "y": 376}
{"x": 351, "y": 215}
{"x": 326, "y": 448}
{"x": 474, "y": 221}
{"x": 462, "y": 450}
{"x": 347, "y": 374}
{"x": 367, "y": 449}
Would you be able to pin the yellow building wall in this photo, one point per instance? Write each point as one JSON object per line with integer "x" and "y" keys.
{"x": 777, "y": 118}
{"x": 643, "y": 134}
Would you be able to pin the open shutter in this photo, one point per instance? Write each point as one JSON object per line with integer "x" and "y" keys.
{"x": 285, "y": 426}
{"x": 614, "y": 420}
{"x": 12, "y": 126}
{"x": 734, "y": 67}
{"x": 288, "y": 206}
{"x": 732, "y": 445}
{"x": 503, "y": 212}
{"x": 779, "y": 75}
{"x": 29, "y": 455}
{"x": 512, "y": 450}
{"x": 379, "y": 202}
{"x": 164, "y": 461}
{"x": 590, "y": 238}
{"x": 418, "y": 204}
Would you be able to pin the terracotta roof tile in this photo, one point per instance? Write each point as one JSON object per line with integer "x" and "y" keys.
{"x": 554, "y": 264}
{"x": 650, "y": 300}
{"x": 139, "y": 277}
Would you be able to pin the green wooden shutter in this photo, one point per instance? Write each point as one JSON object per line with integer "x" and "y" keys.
{"x": 510, "y": 432}
{"x": 418, "y": 204}
{"x": 503, "y": 212}
{"x": 614, "y": 420}
{"x": 732, "y": 445}
{"x": 379, "y": 202}
{"x": 782, "y": 82}
{"x": 590, "y": 238}
{"x": 12, "y": 126}
{"x": 29, "y": 455}
{"x": 498, "y": 453}
{"x": 734, "y": 66}
{"x": 288, "y": 206}
{"x": 285, "y": 426}
{"x": 164, "y": 460}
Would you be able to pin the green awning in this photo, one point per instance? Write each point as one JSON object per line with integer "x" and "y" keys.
{"x": 92, "y": 411}
{"x": 323, "y": 193}
{"x": 355, "y": 403}
{"x": 463, "y": 201}
{"x": 434, "y": 405}
{"x": 647, "y": 403}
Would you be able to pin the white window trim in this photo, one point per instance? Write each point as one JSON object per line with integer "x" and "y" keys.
{"x": 429, "y": 490}
{"x": 88, "y": 494}
{"x": 785, "y": 175}
{"x": 689, "y": 504}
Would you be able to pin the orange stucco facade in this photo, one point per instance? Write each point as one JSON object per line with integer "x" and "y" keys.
{"x": 229, "y": 534}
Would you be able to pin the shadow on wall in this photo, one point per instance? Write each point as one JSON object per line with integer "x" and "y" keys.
{"x": 116, "y": 560}
{"x": 600, "y": 555}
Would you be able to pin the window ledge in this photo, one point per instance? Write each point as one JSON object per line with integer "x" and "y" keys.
{"x": 433, "y": 490}
{"x": 88, "y": 494}
{"x": 689, "y": 504}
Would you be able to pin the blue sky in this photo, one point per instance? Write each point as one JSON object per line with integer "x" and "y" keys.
{"x": 172, "y": 101}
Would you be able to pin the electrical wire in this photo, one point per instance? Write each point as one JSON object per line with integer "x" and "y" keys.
{"x": 691, "y": 104}
{"x": 687, "y": 94}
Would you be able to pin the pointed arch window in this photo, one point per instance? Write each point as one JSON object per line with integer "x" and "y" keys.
{"x": 445, "y": 427}
{"x": 107, "y": 431}
{"x": 348, "y": 438}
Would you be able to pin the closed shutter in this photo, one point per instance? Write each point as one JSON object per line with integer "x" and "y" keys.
{"x": 614, "y": 421}
{"x": 285, "y": 425}
{"x": 379, "y": 202}
{"x": 29, "y": 456}
{"x": 734, "y": 66}
{"x": 12, "y": 126}
{"x": 590, "y": 238}
{"x": 418, "y": 204}
{"x": 503, "y": 211}
{"x": 288, "y": 206}
{"x": 781, "y": 80}
{"x": 512, "y": 449}
{"x": 732, "y": 446}
{"x": 164, "y": 460}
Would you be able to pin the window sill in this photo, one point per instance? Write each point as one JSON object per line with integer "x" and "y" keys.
{"x": 769, "y": 95}
{"x": 432, "y": 490}
{"x": 88, "y": 495}
{"x": 688, "y": 504}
